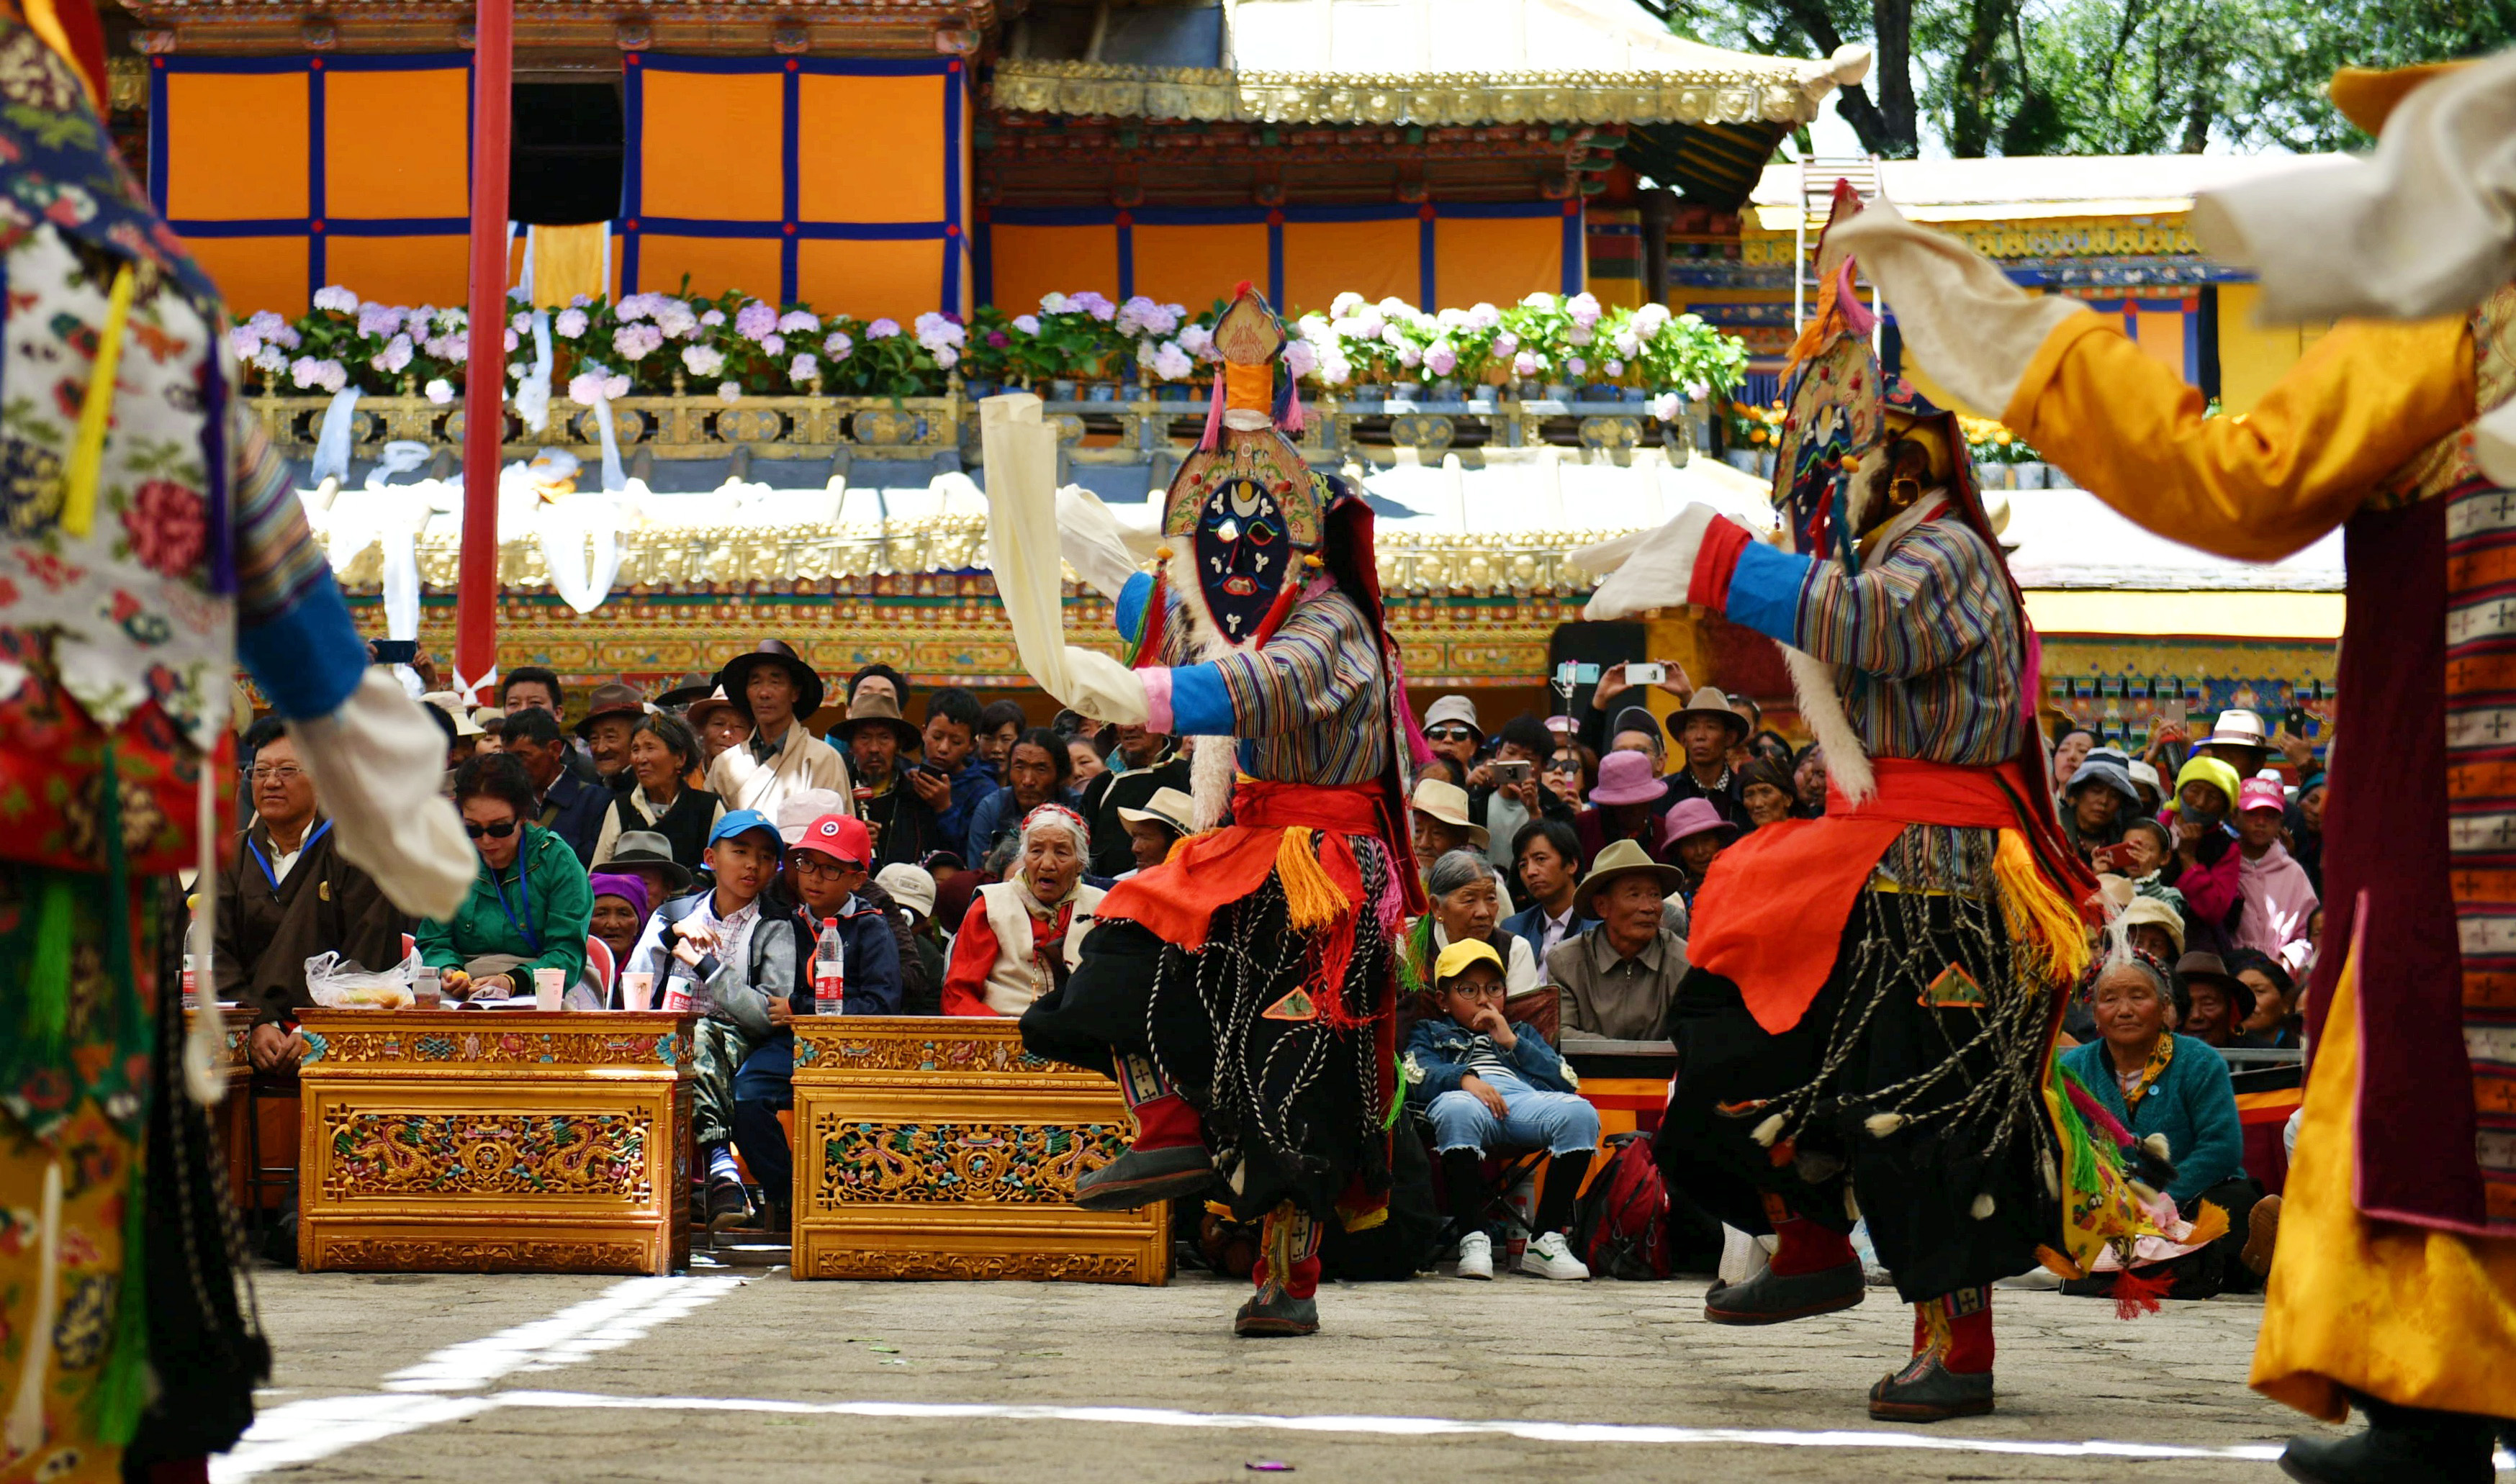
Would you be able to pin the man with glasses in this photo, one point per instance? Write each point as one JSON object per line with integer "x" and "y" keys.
{"x": 286, "y": 895}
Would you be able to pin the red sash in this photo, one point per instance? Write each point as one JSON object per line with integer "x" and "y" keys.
{"x": 1176, "y": 900}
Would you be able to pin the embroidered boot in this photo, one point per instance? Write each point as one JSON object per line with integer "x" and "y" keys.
{"x": 1288, "y": 1278}
{"x": 1813, "y": 1271}
{"x": 1168, "y": 1158}
{"x": 1950, "y": 1372}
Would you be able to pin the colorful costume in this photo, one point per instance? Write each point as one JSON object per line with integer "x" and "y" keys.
{"x": 1872, "y": 1011}
{"x": 151, "y": 538}
{"x": 1242, "y": 991}
{"x": 2395, "y": 1282}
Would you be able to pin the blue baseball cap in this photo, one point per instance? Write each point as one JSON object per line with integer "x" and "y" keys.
{"x": 743, "y": 823}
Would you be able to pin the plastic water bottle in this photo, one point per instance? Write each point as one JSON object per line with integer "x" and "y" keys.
{"x": 829, "y": 972}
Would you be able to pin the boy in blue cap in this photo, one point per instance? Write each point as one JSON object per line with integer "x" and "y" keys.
{"x": 717, "y": 947}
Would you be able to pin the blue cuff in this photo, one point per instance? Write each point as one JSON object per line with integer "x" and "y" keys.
{"x": 1765, "y": 590}
{"x": 309, "y": 658}
{"x": 1130, "y": 608}
{"x": 1201, "y": 703}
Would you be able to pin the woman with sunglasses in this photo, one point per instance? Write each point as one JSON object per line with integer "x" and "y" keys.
{"x": 531, "y": 905}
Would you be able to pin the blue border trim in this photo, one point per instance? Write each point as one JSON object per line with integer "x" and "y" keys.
{"x": 1274, "y": 259}
{"x": 1424, "y": 276}
{"x": 956, "y": 79}
{"x": 1126, "y": 260}
{"x": 791, "y": 187}
{"x": 333, "y": 226}
{"x": 1573, "y": 264}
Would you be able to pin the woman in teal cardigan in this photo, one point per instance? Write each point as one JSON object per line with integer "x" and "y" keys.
{"x": 531, "y": 905}
{"x": 2157, "y": 1081}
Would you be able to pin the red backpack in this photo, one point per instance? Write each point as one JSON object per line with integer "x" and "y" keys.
{"x": 1622, "y": 1229}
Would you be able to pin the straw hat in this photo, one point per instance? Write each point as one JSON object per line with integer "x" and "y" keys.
{"x": 1448, "y": 802}
{"x": 1167, "y": 807}
{"x": 1708, "y": 702}
{"x": 1618, "y": 861}
{"x": 876, "y": 708}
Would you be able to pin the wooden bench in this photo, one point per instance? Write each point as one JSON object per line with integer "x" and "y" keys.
{"x": 938, "y": 1148}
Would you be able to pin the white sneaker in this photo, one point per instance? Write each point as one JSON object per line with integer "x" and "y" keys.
{"x": 1551, "y": 1257}
{"x": 1476, "y": 1255}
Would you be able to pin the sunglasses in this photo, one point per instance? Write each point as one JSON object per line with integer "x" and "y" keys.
{"x": 499, "y": 831}
{"x": 1453, "y": 734}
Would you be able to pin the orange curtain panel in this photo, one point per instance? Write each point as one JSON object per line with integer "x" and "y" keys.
{"x": 284, "y": 174}
{"x": 824, "y": 181}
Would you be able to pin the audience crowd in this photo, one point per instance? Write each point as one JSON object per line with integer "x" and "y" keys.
{"x": 697, "y": 849}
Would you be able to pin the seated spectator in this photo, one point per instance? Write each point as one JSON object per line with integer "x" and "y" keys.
{"x": 1503, "y": 805}
{"x": 1626, "y": 805}
{"x": 1706, "y": 728}
{"x": 1001, "y": 723}
{"x": 467, "y": 730}
{"x": 877, "y": 739}
{"x": 1142, "y": 764}
{"x": 2209, "y": 1013}
{"x": 1636, "y": 730}
{"x": 530, "y": 906}
{"x": 2155, "y": 927}
{"x": 777, "y": 691}
{"x": 2156, "y": 1082}
{"x": 1024, "y": 934}
{"x": 1548, "y": 861}
{"x": 1451, "y": 730}
{"x": 493, "y": 726}
{"x": 1037, "y": 771}
{"x": 1086, "y": 753}
{"x": 1487, "y": 1085}
{"x": 2266, "y": 1006}
{"x": 2143, "y": 851}
{"x": 950, "y": 777}
{"x": 920, "y": 993}
{"x": 2147, "y": 787}
{"x": 1442, "y": 823}
{"x": 2306, "y": 830}
{"x": 660, "y": 800}
{"x": 735, "y": 961}
{"x": 720, "y": 724}
{"x": 2239, "y": 741}
{"x": 2206, "y": 861}
{"x": 2095, "y": 802}
{"x": 286, "y": 895}
{"x": 1764, "y": 789}
{"x": 2070, "y": 751}
{"x": 912, "y": 894}
{"x": 1619, "y": 977}
{"x": 1466, "y": 897}
{"x": 1696, "y": 836}
{"x": 1570, "y": 773}
{"x": 566, "y": 805}
{"x": 1808, "y": 783}
{"x": 2278, "y": 896}
{"x": 1152, "y": 830}
{"x": 649, "y": 856}
{"x": 619, "y": 916}
{"x": 611, "y": 713}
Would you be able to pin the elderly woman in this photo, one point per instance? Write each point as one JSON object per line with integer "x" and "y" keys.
{"x": 2097, "y": 803}
{"x": 619, "y": 915}
{"x": 530, "y": 904}
{"x": 1467, "y": 908}
{"x": 662, "y": 756}
{"x": 2155, "y": 1081}
{"x": 1765, "y": 788}
{"x": 1024, "y": 934}
{"x": 1808, "y": 782}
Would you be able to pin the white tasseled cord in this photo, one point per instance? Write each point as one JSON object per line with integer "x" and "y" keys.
{"x": 27, "y": 1411}
{"x": 207, "y": 1036}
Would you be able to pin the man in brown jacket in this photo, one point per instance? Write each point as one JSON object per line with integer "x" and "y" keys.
{"x": 287, "y": 896}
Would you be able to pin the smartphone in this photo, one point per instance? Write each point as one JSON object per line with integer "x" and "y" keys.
{"x": 1515, "y": 770}
{"x": 2174, "y": 709}
{"x": 1645, "y": 672}
{"x": 397, "y": 651}
{"x": 2295, "y": 720}
{"x": 1571, "y": 674}
{"x": 931, "y": 771}
{"x": 2112, "y": 859}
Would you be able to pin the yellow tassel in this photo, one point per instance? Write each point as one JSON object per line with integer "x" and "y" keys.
{"x": 1311, "y": 899}
{"x": 87, "y": 454}
{"x": 2042, "y": 926}
{"x": 2208, "y": 1227}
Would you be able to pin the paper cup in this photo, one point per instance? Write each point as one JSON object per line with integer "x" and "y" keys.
{"x": 637, "y": 989}
{"x": 548, "y": 985}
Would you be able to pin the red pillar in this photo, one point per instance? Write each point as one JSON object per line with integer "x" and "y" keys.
{"x": 476, "y": 591}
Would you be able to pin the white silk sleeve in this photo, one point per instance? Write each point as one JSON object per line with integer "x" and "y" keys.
{"x": 376, "y": 763}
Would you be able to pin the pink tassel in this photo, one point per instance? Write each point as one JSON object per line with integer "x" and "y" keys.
{"x": 1213, "y": 414}
{"x": 2096, "y": 1113}
{"x": 1292, "y": 422}
{"x": 1857, "y": 317}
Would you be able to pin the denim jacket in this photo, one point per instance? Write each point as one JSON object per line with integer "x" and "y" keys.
{"x": 1437, "y": 1058}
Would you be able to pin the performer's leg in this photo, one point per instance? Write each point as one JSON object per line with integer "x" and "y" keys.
{"x": 1168, "y": 1158}
{"x": 1287, "y": 1275}
{"x": 1949, "y": 1374}
{"x": 1813, "y": 1271}
{"x": 2399, "y": 1443}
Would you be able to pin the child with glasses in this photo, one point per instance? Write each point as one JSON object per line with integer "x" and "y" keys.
{"x": 530, "y": 906}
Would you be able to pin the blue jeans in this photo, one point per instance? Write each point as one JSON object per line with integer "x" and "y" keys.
{"x": 1561, "y": 1122}
{"x": 763, "y": 1084}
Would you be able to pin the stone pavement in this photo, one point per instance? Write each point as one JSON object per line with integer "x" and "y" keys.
{"x": 750, "y": 1375}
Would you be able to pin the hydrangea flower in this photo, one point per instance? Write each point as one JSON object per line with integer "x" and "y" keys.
{"x": 1581, "y": 335}
{"x": 310, "y": 374}
{"x": 1141, "y": 316}
{"x": 1301, "y": 358}
{"x": 1052, "y": 303}
{"x": 837, "y": 345}
{"x": 1575, "y": 365}
{"x": 1409, "y": 357}
{"x": 1395, "y": 307}
{"x": 378, "y": 320}
{"x": 1096, "y": 305}
{"x": 1648, "y": 319}
{"x": 513, "y": 340}
{"x": 458, "y": 350}
{"x": 702, "y": 360}
{"x": 395, "y": 357}
{"x": 522, "y": 321}
{"x": 1171, "y": 363}
{"x": 581, "y": 300}
{"x": 1482, "y": 317}
{"x": 728, "y": 391}
{"x": 337, "y": 299}
{"x": 1028, "y": 324}
{"x": 243, "y": 344}
{"x": 940, "y": 332}
{"x": 1441, "y": 357}
{"x": 1197, "y": 340}
{"x": 772, "y": 345}
{"x": 675, "y": 320}
{"x": 1344, "y": 305}
{"x": 755, "y": 320}
{"x": 947, "y": 357}
{"x": 798, "y": 322}
{"x": 1584, "y": 308}
{"x": 1627, "y": 345}
{"x": 803, "y": 368}
{"x": 1613, "y": 368}
{"x": 439, "y": 391}
{"x": 597, "y": 383}
{"x": 571, "y": 322}
{"x": 1525, "y": 363}
{"x": 637, "y": 306}
{"x": 1666, "y": 406}
{"x": 882, "y": 329}
{"x": 1506, "y": 343}
{"x": 712, "y": 318}
{"x": 636, "y": 341}
{"x": 271, "y": 360}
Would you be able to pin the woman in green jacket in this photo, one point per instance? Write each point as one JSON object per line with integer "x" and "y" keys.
{"x": 531, "y": 905}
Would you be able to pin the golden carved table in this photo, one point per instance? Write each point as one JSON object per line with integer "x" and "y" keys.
{"x": 938, "y": 1148}
{"x": 495, "y": 1141}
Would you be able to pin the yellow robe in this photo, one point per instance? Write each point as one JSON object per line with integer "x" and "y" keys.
{"x": 2417, "y": 1317}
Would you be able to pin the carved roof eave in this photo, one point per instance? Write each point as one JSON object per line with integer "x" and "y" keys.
{"x": 567, "y": 29}
{"x": 1783, "y": 92}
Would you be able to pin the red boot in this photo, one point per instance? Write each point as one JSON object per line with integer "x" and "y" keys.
{"x": 1168, "y": 1158}
{"x": 1950, "y": 1372}
{"x": 1288, "y": 1278}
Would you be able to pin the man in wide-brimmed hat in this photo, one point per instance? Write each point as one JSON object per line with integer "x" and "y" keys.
{"x": 1440, "y": 810}
{"x": 612, "y": 714}
{"x": 719, "y": 723}
{"x": 1705, "y": 728}
{"x": 1619, "y": 978}
{"x": 878, "y": 740}
{"x": 776, "y": 690}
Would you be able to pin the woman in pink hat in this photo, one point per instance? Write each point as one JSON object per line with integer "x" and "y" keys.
{"x": 2279, "y": 897}
{"x": 1697, "y": 835}
{"x": 1621, "y": 807}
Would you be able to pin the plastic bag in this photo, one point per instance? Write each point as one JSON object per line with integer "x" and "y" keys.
{"x": 337, "y": 985}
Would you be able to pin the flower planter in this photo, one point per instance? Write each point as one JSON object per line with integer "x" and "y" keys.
{"x": 1060, "y": 389}
{"x": 1559, "y": 391}
{"x": 1368, "y": 396}
{"x": 1638, "y": 393}
{"x": 1174, "y": 391}
{"x": 1407, "y": 392}
{"x": 1602, "y": 391}
{"x": 1101, "y": 392}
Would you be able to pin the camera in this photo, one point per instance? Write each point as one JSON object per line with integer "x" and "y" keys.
{"x": 1515, "y": 770}
{"x": 1645, "y": 672}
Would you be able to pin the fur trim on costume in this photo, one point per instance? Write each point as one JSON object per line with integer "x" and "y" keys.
{"x": 1847, "y": 762}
